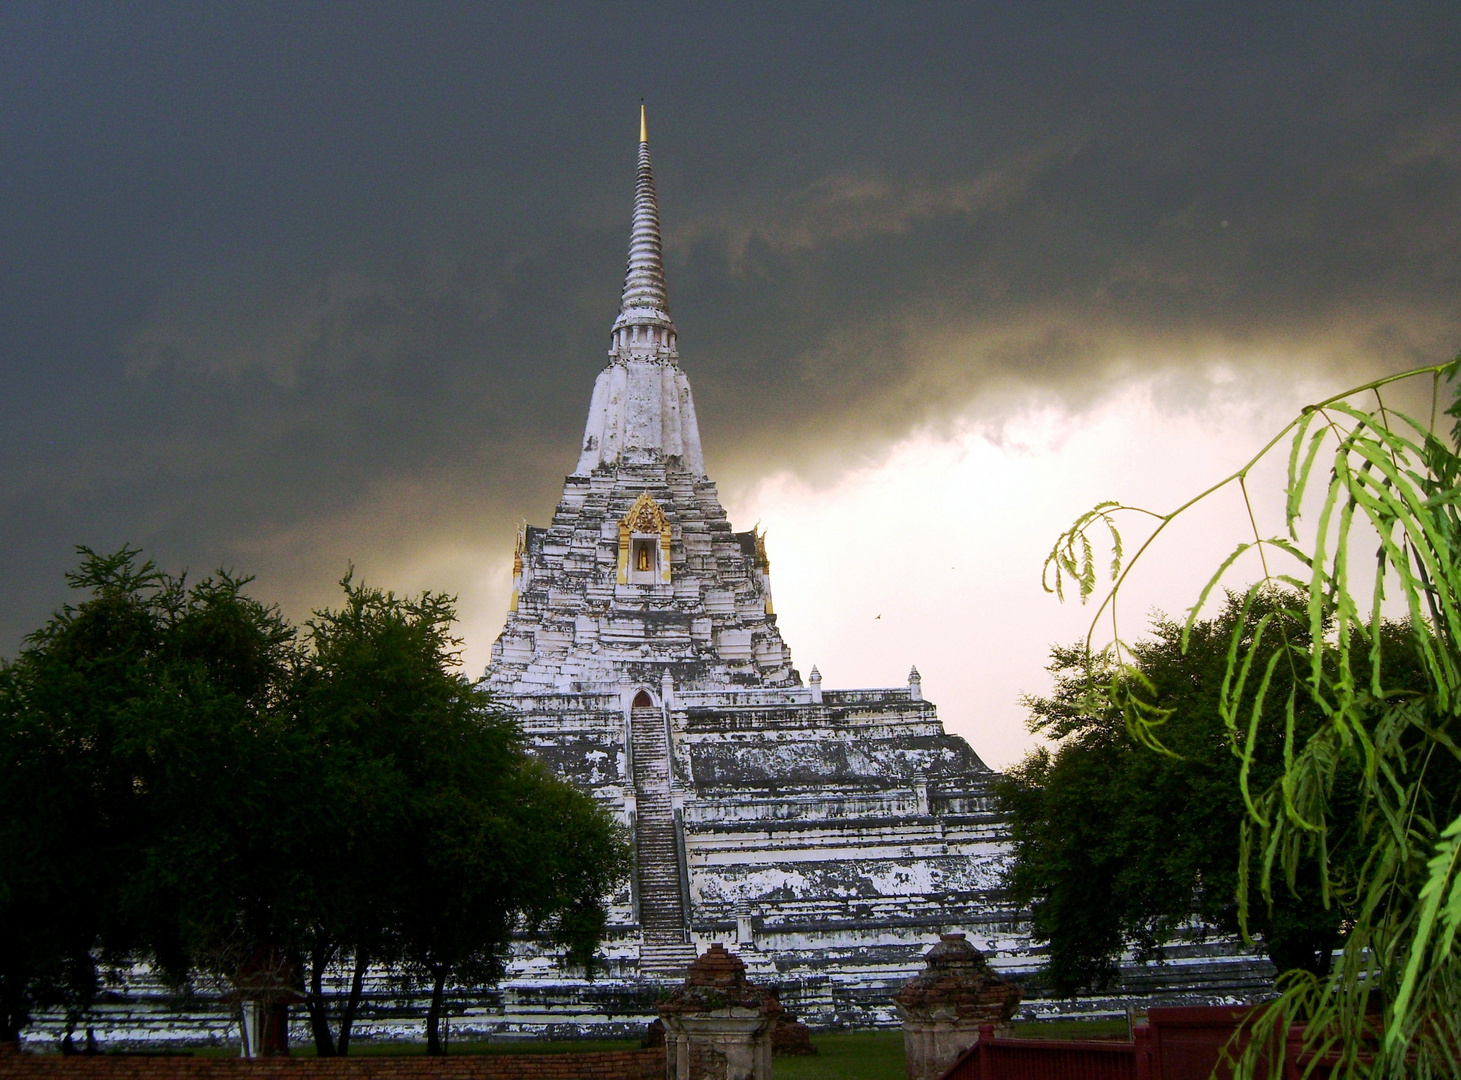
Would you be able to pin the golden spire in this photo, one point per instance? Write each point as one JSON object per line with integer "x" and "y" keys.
{"x": 643, "y": 130}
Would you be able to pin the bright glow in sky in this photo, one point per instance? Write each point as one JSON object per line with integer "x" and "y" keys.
{"x": 932, "y": 555}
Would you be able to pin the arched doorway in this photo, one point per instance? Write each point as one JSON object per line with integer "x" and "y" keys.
{"x": 642, "y": 700}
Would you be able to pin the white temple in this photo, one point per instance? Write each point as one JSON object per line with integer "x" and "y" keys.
{"x": 827, "y": 835}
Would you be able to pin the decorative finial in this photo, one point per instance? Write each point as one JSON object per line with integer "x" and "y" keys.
{"x": 643, "y": 327}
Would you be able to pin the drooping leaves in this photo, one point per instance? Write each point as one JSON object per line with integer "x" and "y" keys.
{"x": 1380, "y": 776}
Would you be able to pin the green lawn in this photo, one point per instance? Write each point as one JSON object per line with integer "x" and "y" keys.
{"x": 412, "y": 1048}
{"x": 841, "y": 1055}
{"x": 1071, "y": 1029}
{"x": 847, "y": 1055}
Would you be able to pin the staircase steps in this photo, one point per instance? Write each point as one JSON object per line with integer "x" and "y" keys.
{"x": 671, "y": 960}
{"x": 657, "y": 864}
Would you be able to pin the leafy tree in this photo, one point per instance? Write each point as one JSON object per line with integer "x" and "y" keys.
{"x": 1118, "y": 846}
{"x": 50, "y": 875}
{"x": 1369, "y": 799}
{"x": 183, "y": 780}
{"x": 140, "y": 774}
{"x": 440, "y": 835}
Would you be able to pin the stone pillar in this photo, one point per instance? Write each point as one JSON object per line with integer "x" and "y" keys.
{"x": 943, "y": 1008}
{"x": 815, "y": 682}
{"x": 718, "y": 1025}
{"x": 745, "y": 930}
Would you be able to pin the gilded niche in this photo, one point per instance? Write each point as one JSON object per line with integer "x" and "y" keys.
{"x": 644, "y": 543}
{"x": 645, "y": 516}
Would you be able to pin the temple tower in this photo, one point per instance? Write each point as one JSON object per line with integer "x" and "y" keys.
{"x": 639, "y": 576}
{"x": 831, "y": 833}
{"x": 639, "y": 586}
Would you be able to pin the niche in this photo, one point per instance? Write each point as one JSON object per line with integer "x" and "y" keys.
{"x": 644, "y": 556}
{"x": 642, "y": 700}
{"x": 644, "y": 537}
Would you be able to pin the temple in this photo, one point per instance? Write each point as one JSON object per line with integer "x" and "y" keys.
{"x": 831, "y": 835}
{"x": 828, "y": 836}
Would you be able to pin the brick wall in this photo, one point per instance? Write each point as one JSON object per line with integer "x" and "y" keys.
{"x": 608, "y": 1065}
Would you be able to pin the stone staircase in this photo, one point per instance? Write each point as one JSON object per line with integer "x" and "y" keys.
{"x": 665, "y": 950}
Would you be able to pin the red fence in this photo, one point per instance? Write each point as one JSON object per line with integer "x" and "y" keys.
{"x": 1187, "y": 1044}
{"x": 1175, "y": 1044}
{"x": 1044, "y": 1059}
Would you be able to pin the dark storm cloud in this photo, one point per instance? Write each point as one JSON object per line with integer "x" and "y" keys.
{"x": 288, "y": 284}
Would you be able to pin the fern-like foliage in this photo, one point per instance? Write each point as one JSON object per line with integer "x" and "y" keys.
{"x": 1371, "y": 800}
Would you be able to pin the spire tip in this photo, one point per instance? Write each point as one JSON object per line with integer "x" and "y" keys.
{"x": 644, "y": 304}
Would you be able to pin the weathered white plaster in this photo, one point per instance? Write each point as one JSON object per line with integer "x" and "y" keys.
{"x": 832, "y": 833}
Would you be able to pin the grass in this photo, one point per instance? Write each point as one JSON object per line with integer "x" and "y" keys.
{"x": 878, "y": 1055}
{"x": 1071, "y": 1029}
{"x": 848, "y": 1055}
{"x": 841, "y": 1055}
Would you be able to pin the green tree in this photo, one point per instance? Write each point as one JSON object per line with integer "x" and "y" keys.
{"x": 1120, "y": 847}
{"x": 1368, "y": 800}
{"x": 51, "y": 874}
{"x": 223, "y": 878}
{"x": 183, "y": 780}
{"x": 140, "y": 767}
{"x": 439, "y": 836}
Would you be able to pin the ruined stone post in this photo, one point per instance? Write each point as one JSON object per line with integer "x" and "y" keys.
{"x": 745, "y": 930}
{"x": 943, "y": 1008}
{"x": 264, "y": 989}
{"x": 718, "y": 1025}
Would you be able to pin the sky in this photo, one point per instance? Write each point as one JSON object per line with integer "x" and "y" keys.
{"x": 287, "y": 288}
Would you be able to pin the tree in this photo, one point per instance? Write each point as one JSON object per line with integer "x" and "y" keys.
{"x": 223, "y": 879}
{"x": 1369, "y": 800}
{"x": 440, "y": 836}
{"x": 1118, "y": 846}
{"x": 49, "y": 914}
{"x": 139, "y": 768}
{"x": 236, "y": 803}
